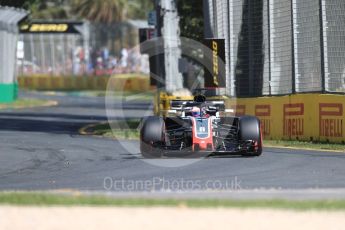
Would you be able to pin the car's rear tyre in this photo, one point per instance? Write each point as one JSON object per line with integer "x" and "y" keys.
{"x": 152, "y": 137}
{"x": 249, "y": 129}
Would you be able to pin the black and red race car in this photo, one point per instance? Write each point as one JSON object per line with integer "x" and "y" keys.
{"x": 198, "y": 129}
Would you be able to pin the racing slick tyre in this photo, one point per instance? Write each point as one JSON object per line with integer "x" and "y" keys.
{"x": 250, "y": 130}
{"x": 152, "y": 136}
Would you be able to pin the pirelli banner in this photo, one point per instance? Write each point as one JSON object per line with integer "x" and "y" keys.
{"x": 214, "y": 58}
{"x": 319, "y": 117}
{"x": 51, "y": 27}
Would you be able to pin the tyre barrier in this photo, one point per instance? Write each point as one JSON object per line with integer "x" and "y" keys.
{"x": 125, "y": 82}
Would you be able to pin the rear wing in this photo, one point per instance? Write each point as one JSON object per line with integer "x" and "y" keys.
{"x": 167, "y": 104}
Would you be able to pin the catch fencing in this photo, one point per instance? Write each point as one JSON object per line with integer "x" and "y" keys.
{"x": 56, "y": 48}
{"x": 281, "y": 47}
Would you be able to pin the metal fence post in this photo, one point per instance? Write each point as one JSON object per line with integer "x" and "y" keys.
{"x": 322, "y": 49}
{"x": 293, "y": 72}
{"x": 269, "y": 47}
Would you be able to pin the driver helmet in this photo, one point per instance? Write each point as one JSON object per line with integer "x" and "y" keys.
{"x": 195, "y": 112}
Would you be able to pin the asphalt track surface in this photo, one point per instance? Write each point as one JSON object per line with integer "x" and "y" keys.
{"x": 40, "y": 149}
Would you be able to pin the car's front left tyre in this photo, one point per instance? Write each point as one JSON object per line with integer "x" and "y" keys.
{"x": 249, "y": 129}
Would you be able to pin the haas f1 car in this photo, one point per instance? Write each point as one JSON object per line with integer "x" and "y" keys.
{"x": 198, "y": 129}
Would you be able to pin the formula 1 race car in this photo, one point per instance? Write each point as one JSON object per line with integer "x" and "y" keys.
{"x": 198, "y": 129}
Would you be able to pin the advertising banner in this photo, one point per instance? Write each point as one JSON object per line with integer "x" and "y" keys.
{"x": 51, "y": 27}
{"x": 215, "y": 63}
{"x": 308, "y": 117}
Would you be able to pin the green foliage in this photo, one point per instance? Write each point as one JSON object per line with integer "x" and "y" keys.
{"x": 110, "y": 11}
{"x": 42, "y": 9}
{"x": 105, "y": 11}
{"x": 139, "y": 9}
{"x": 191, "y": 19}
{"x": 192, "y": 26}
{"x": 50, "y": 13}
{"x": 314, "y": 145}
{"x": 18, "y": 3}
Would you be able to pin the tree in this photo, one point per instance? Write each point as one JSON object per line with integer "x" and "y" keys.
{"x": 191, "y": 19}
{"x": 101, "y": 11}
{"x": 42, "y": 9}
{"x": 192, "y": 26}
{"x": 18, "y": 3}
{"x": 138, "y": 9}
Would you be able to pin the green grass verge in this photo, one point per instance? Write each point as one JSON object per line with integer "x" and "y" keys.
{"x": 50, "y": 199}
{"x": 126, "y": 96}
{"x": 24, "y": 103}
{"x": 121, "y": 129}
{"x": 305, "y": 145}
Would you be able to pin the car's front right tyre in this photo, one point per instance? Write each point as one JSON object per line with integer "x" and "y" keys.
{"x": 152, "y": 137}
